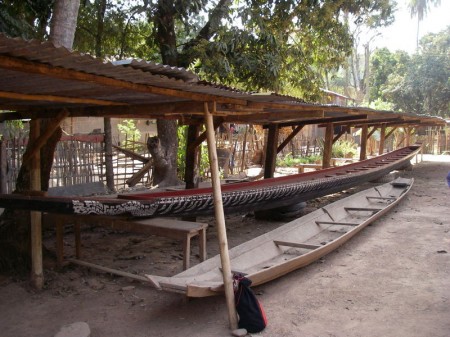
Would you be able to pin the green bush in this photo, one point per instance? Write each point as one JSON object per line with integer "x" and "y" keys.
{"x": 344, "y": 149}
{"x": 290, "y": 161}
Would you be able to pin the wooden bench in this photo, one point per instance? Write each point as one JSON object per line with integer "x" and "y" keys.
{"x": 166, "y": 227}
{"x": 301, "y": 167}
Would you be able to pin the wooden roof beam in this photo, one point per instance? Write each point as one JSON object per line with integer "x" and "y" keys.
{"x": 396, "y": 123}
{"x": 24, "y": 66}
{"x": 367, "y": 122}
{"x": 53, "y": 98}
{"x": 322, "y": 120}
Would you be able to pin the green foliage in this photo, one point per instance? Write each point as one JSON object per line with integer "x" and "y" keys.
{"x": 118, "y": 32}
{"x": 418, "y": 83}
{"x": 12, "y": 129}
{"x": 26, "y": 19}
{"x": 344, "y": 149}
{"x": 290, "y": 161}
{"x": 131, "y": 132}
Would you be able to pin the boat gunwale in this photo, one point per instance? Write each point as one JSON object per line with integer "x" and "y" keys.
{"x": 212, "y": 288}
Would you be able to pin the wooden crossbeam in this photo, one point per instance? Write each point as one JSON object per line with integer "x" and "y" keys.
{"x": 362, "y": 209}
{"x": 53, "y": 98}
{"x": 336, "y": 223}
{"x": 381, "y": 198}
{"x": 289, "y": 138}
{"x": 295, "y": 244}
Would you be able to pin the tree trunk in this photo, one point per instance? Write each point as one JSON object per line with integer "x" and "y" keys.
{"x": 64, "y": 22}
{"x": 15, "y": 244}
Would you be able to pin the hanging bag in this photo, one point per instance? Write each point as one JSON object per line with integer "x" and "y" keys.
{"x": 251, "y": 313}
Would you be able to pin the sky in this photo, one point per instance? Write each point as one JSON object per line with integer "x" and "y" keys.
{"x": 401, "y": 35}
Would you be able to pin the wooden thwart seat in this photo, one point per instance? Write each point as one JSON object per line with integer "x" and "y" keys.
{"x": 295, "y": 244}
{"x": 336, "y": 223}
{"x": 166, "y": 227}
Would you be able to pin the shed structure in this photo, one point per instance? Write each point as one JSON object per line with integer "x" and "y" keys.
{"x": 38, "y": 81}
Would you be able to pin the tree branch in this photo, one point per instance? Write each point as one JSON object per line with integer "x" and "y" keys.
{"x": 206, "y": 33}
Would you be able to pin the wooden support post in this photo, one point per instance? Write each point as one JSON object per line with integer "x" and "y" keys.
{"x": 244, "y": 145}
{"x": 3, "y": 167}
{"x": 382, "y": 139}
{"x": 37, "y": 271}
{"x": 364, "y": 133}
{"x": 328, "y": 146}
{"x": 407, "y": 136}
{"x": 220, "y": 219}
{"x": 271, "y": 151}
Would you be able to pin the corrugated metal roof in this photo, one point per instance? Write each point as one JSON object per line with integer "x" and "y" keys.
{"x": 37, "y": 74}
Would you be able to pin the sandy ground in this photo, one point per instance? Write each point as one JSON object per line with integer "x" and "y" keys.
{"x": 392, "y": 279}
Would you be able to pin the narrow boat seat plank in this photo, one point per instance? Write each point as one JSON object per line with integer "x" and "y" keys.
{"x": 336, "y": 223}
{"x": 362, "y": 209}
{"x": 295, "y": 244}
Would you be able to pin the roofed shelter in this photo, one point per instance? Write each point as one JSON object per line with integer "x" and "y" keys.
{"x": 38, "y": 80}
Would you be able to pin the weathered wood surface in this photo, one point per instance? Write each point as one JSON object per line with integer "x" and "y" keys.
{"x": 292, "y": 246}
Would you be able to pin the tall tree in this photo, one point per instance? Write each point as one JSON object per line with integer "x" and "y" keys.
{"x": 420, "y": 9}
{"x": 417, "y": 83}
{"x": 282, "y": 46}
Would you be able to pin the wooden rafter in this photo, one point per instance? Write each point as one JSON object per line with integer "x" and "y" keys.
{"x": 322, "y": 120}
{"x": 59, "y": 99}
{"x": 24, "y": 66}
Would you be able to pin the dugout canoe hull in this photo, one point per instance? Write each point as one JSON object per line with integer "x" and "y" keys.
{"x": 238, "y": 197}
{"x": 291, "y": 246}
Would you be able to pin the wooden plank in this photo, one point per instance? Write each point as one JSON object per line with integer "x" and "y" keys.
{"x": 110, "y": 270}
{"x": 295, "y": 244}
{"x": 362, "y": 209}
{"x": 380, "y": 198}
{"x": 53, "y": 98}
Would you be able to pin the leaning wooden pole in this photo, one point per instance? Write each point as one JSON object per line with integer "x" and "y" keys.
{"x": 220, "y": 219}
{"x": 37, "y": 270}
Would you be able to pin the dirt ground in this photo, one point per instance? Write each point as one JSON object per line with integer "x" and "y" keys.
{"x": 392, "y": 279}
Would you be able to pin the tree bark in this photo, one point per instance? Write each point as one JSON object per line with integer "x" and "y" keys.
{"x": 15, "y": 234}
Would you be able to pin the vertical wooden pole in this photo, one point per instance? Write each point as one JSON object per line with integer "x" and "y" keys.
{"x": 327, "y": 146}
{"x": 271, "y": 151}
{"x": 382, "y": 139}
{"x": 244, "y": 145}
{"x": 3, "y": 167}
{"x": 408, "y": 136}
{"x": 37, "y": 273}
{"x": 364, "y": 133}
{"x": 220, "y": 218}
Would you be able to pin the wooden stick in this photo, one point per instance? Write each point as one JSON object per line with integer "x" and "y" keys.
{"x": 220, "y": 219}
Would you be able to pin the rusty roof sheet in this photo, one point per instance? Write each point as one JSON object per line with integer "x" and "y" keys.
{"x": 130, "y": 83}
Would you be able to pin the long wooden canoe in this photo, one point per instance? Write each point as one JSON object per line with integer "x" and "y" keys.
{"x": 239, "y": 197}
{"x": 291, "y": 246}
